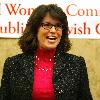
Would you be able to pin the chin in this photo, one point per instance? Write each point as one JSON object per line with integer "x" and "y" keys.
{"x": 51, "y": 47}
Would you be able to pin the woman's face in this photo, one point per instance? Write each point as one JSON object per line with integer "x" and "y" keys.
{"x": 49, "y": 33}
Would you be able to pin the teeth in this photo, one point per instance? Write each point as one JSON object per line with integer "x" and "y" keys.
{"x": 51, "y": 37}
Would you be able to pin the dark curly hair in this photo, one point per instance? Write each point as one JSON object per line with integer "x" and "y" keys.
{"x": 28, "y": 41}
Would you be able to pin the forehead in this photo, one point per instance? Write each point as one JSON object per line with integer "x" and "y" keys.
{"x": 50, "y": 19}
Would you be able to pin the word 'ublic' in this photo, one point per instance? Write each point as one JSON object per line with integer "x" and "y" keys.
{"x": 19, "y": 27}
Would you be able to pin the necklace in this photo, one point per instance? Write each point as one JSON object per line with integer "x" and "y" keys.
{"x": 44, "y": 59}
{"x": 42, "y": 65}
{"x": 42, "y": 69}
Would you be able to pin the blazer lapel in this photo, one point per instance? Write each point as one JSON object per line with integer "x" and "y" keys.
{"x": 27, "y": 67}
{"x": 61, "y": 61}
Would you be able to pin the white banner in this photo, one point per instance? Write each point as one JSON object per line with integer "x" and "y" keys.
{"x": 83, "y": 16}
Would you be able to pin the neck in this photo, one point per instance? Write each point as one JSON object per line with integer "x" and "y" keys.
{"x": 45, "y": 52}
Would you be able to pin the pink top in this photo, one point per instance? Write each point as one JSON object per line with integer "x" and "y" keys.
{"x": 43, "y": 72}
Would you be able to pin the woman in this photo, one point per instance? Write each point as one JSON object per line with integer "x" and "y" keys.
{"x": 44, "y": 71}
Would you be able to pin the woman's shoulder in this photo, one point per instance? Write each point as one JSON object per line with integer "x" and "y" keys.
{"x": 74, "y": 58}
{"x": 16, "y": 60}
{"x": 75, "y": 61}
{"x": 18, "y": 57}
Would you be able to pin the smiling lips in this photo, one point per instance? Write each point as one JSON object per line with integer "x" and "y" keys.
{"x": 51, "y": 38}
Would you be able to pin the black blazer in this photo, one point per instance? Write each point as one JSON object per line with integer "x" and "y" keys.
{"x": 70, "y": 79}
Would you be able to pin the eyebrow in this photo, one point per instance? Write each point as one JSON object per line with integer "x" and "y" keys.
{"x": 51, "y": 23}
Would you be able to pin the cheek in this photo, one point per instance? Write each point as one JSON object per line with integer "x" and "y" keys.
{"x": 39, "y": 35}
{"x": 41, "y": 38}
{"x": 59, "y": 35}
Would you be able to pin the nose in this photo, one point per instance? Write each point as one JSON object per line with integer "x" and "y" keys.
{"x": 53, "y": 29}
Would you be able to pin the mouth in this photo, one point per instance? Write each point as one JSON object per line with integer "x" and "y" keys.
{"x": 51, "y": 38}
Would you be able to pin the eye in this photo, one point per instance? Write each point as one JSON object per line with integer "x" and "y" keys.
{"x": 59, "y": 25}
{"x": 46, "y": 25}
